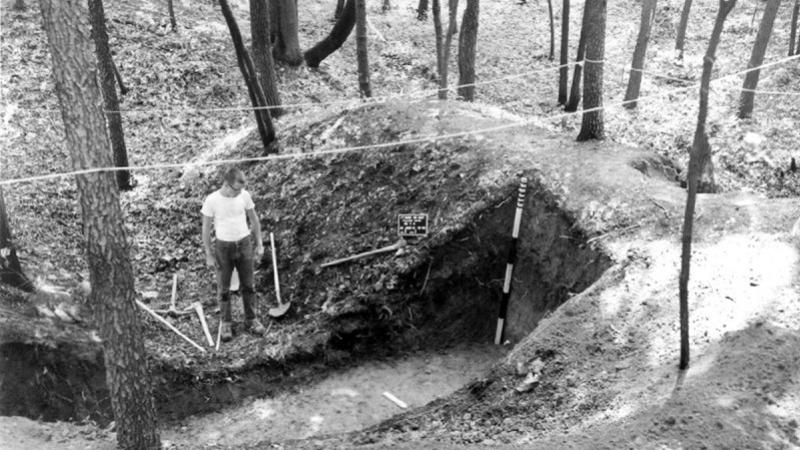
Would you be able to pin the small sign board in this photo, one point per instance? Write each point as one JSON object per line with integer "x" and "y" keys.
{"x": 412, "y": 225}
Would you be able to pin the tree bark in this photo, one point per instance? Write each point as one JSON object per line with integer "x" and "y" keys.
{"x": 362, "y": 53}
{"x": 339, "y": 9}
{"x": 448, "y": 40}
{"x": 639, "y": 53}
{"x": 575, "y": 90}
{"x": 262, "y": 54}
{"x": 107, "y": 250}
{"x": 10, "y": 269}
{"x": 552, "y": 31}
{"x": 287, "y": 46}
{"x": 122, "y": 89}
{"x": 793, "y": 27}
{"x": 592, "y": 126}
{"x": 700, "y": 155}
{"x": 386, "y": 6}
{"x": 172, "y": 21}
{"x": 681, "y": 38}
{"x": 563, "y": 71}
{"x": 441, "y": 71}
{"x": 110, "y": 99}
{"x": 19, "y": 5}
{"x": 467, "y": 42}
{"x": 338, "y": 35}
{"x": 757, "y": 58}
{"x": 263, "y": 120}
{"x": 422, "y": 9}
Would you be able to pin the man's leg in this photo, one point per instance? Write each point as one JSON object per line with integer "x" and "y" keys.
{"x": 224, "y": 269}
{"x": 245, "y": 267}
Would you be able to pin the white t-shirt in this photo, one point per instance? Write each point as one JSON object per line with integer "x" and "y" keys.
{"x": 230, "y": 219}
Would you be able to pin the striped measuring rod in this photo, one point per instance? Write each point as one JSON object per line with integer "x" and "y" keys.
{"x": 512, "y": 259}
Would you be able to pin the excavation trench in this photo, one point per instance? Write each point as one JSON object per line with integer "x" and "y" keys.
{"x": 438, "y": 341}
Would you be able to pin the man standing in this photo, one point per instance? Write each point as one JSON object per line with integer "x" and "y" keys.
{"x": 228, "y": 209}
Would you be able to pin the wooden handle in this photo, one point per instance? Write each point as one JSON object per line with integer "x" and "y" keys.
{"x": 389, "y": 248}
{"x": 275, "y": 269}
{"x": 199, "y": 308}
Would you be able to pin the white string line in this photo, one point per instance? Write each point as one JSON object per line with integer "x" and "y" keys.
{"x": 366, "y": 101}
{"x": 381, "y": 145}
{"x": 756, "y": 91}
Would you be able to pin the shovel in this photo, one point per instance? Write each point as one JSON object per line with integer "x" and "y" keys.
{"x": 281, "y": 309}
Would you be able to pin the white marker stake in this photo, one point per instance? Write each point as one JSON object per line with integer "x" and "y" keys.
{"x": 199, "y": 308}
{"x": 219, "y": 335}
{"x": 512, "y": 259}
{"x": 395, "y": 400}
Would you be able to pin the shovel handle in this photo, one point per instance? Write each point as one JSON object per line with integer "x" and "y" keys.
{"x": 275, "y": 269}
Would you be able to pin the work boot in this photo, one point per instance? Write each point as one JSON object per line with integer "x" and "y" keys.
{"x": 225, "y": 333}
{"x": 255, "y": 327}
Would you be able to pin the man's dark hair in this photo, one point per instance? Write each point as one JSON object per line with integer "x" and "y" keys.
{"x": 231, "y": 174}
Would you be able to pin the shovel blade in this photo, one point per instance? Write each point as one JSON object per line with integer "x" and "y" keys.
{"x": 279, "y": 310}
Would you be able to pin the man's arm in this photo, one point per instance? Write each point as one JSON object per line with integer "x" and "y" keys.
{"x": 211, "y": 260}
{"x": 256, "y": 227}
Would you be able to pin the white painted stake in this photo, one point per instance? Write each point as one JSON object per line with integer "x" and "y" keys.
{"x": 395, "y": 400}
{"x": 219, "y": 335}
{"x": 199, "y": 308}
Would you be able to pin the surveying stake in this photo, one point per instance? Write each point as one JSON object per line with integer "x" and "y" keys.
{"x": 512, "y": 258}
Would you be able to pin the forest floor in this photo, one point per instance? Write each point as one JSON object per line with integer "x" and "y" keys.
{"x": 610, "y": 379}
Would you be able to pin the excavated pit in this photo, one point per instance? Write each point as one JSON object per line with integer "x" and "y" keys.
{"x": 459, "y": 302}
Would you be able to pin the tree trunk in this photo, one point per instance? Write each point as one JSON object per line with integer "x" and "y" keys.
{"x": 10, "y": 269}
{"x": 263, "y": 120}
{"x": 757, "y": 58}
{"x": 448, "y": 40}
{"x": 19, "y": 5}
{"x": 387, "y": 5}
{"x": 110, "y": 99}
{"x": 339, "y": 9}
{"x": 700, "y": 155}
{"x": 362, "y": 53}
{"x": 592, "y": 126}
{"x": 681, "y": 38}
{"x": 172, "y": 21}
{"x": 287, "y": 46}
{"x": 422, "y": 9}
{"x": 793, "y": 27}
{"x": 338, "y": 35}
{"x": 639, "y": 52}
{"x": 563, "y": 71}
{"x": 467, "y": 41}
{"x": 262, "y": 54}
{"x": 552, "y": 31}
{"x": 111, "y": 272}
{"x": 441, "y": 71}
{"x": 575, "y": 90}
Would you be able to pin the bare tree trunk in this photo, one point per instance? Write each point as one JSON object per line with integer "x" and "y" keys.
{"x": 263, "y": 120}
{"x": 10, "y": 269}
{"x": 793, "y": 27}
{"x": 552, "y": 31}
{"x": 339, "y": 9}
{"x": 681, "y": 38}
{"x": 338, "y": 35}
{"x": 575, "y": 90}
{"x": 639, "y": 53}
{"x": 441, "y": 71}
{"x": 362, "y": 53}
{"x": 563, "y": 71}
{"x": 757, "y": 58}
{"x": 111, "y": 101}
{"x": 422, "y": 10}
{"x": 287, "y": 46}
{"x": 262, "y": 54}
{"x": 172, "y": 21}
{"x": 701, "y": 154}
{"x": 448, "y": 40}
{"x": 592, "y": 125}
{"x": 467, "y": 42}
{"x": 19, "y": 5}
{"x": 107, "y": 249}
{"x": 387, "y": 5}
